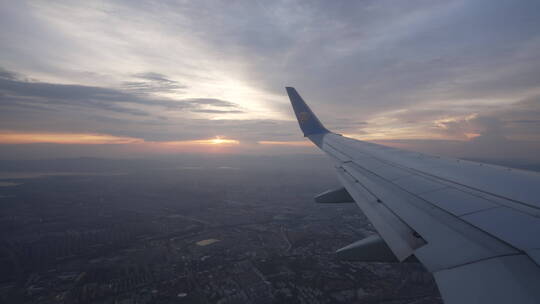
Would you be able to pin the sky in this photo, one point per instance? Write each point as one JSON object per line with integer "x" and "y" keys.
{"x": 142, "y": 78}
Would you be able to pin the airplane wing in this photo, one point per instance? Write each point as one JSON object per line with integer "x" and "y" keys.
{"x": 476, "y": 227}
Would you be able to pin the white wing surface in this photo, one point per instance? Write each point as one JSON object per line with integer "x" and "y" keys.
{"x": 475, "y": 226}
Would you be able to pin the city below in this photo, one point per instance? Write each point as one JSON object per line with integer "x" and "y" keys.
{"x": 214, "y": 230}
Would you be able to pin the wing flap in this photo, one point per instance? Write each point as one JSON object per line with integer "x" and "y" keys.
{"x": 370, "y": 249}
{"x": 398, "y": 235}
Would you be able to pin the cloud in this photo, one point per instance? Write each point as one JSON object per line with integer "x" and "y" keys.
{"x": 515, "y": 122}
{"x": 447, "y": 70}
{"x": 90, "y": 109}
{"x": 526, "y": 121}
{"x": 508, "y": 132}
{"x": 217, "y": 111}
{"x": 5, "y": 74}
{"x": 17, "y": 92}
{"x": 153, "y": 83}
{"x": 210, "y": 102}
{"x": 370, "y": 57}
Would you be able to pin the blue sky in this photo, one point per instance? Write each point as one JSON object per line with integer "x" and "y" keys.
{"x": 131, "y": 78}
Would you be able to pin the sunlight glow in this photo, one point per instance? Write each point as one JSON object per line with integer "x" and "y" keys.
{"x": 213, "y": 141}
{"x": 218, "y": 141}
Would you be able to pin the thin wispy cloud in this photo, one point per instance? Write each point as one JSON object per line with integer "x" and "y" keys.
{"x": 153, "y": 83}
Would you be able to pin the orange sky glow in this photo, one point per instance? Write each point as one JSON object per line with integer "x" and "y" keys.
{"x": 15, "y": 138}
{"x": 217, "y": 144}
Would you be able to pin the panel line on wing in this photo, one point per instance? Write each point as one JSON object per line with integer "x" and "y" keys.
{"x": 431, "y": 222}
{"x": 495, "y": 198}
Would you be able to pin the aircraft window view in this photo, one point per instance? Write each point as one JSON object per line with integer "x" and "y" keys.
{"x": 270, "y": 151}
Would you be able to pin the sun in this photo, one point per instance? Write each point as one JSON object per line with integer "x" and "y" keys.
{"x": 218, "y": 141}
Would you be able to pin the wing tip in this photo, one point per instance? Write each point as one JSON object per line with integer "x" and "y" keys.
{"x": 308, "y": 121}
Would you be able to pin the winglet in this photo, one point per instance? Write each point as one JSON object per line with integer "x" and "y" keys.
{"x": 309, "y": 123}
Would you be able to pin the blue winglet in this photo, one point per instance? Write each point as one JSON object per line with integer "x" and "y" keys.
{"x": 309, "y": 123}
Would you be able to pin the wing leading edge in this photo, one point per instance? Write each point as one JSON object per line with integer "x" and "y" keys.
{"x": 476, "y": 227}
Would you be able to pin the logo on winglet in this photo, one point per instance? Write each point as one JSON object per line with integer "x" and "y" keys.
{"x": 303, "y": 117}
